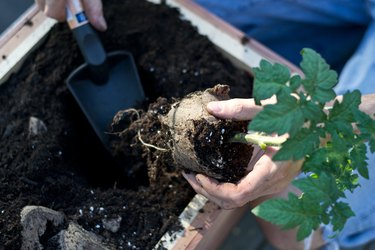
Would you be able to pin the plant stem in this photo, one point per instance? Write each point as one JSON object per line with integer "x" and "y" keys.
{"x": 260, "y": 139}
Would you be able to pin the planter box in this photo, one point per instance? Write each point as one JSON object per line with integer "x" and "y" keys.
{"x": 205, "y": 224}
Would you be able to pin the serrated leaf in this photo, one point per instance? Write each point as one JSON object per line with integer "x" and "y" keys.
{"x": 367, "y": 127}
{"x": 316, "y": 162}
{"x": 314, "y": 112}
{"x": 281, "y": 211}
{"x": 291, "y": 213}
{"x": 319, "y": 78}
{"x": 295, "y": 82}
{"x": 340, "y": 213}
{"x": 358, "y": 158}
{"x": 331, "y": 149}
{"x": 330, "y": 157}
{"x": 340, "y": 127}
{"x": 343, "y": 111}
{"x": 283, "y": 117}
{"x": 321, "y": 189}
{"x": 305, "y": 229}
{"x": 297, "y": 147}
{"x": 270, "y": 79}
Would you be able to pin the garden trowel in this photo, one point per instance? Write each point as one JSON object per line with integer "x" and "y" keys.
{"x": 105, "y": 83}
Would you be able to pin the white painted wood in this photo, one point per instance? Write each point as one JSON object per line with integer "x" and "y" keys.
{"x": 169, "y": 240}
{"x": 20, "y": 44}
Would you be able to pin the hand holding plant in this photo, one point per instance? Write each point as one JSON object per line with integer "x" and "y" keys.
{"x": 331, "y": 168}
{"x": 265, "y": 177}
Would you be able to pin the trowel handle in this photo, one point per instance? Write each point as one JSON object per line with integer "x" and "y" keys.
{"x": 88, "y": 41}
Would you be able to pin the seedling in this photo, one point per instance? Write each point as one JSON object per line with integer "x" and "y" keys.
{"x": 331, "y": 140}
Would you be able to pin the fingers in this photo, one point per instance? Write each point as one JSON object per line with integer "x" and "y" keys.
{"x": 93, "y": 9}
{"x": 236, "y": 109}
{"x": 195, "y": 184}
{"x": 53, "y": 8}
{"x": 256, "y": 154}
{"x": 94, "y": 12}
{"x": 224, "y": 195}
{"x": 266, "y": 178}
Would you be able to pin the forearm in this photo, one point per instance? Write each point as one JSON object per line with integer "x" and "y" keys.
{"x": 368, "y": 105}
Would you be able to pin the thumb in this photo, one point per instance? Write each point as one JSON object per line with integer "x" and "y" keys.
{"x": 54, "y": 9}
{"x": 94, "y": 11}
{"x": 236, "y": 109}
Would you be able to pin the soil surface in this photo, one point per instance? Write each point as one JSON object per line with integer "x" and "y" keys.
{"x": 63, "y": 166}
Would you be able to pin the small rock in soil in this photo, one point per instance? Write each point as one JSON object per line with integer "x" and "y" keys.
{"x": 112, "y": 225}
{"x": 75, "y": 238}
{"x": 36, "y": 126}
{"x": 34, "y": 222}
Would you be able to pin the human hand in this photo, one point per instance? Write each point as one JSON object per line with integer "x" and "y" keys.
{"x": 265, "y": 177}
{"x": 93, "y": 9}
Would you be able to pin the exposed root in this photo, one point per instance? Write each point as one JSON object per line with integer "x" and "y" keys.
{"x": 139, "y": 133}
{"x": 149, "y": 145}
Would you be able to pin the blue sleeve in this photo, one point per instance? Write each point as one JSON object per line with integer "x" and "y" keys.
{"x": 334, "y": 28}
{"x": 359, "y": 71}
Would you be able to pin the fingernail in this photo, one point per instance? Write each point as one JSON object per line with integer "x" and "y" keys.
{"x": 214, "y": 107}
{"x": 198, "y": 180}
{"x": 184, "y": 174}
{"x": 101, "y": 24}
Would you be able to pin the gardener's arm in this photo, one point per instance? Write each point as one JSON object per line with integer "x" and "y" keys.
{"x": 93, "y": 9}
{"x": 368, "y": 105}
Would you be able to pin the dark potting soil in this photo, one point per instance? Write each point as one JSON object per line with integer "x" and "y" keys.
{"x": 227, "y": 160}
{"x": 65, "y": 167}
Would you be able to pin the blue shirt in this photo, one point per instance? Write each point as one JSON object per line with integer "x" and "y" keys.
{"x": 337, "y": 29}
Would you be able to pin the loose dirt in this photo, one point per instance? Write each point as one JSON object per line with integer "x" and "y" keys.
{"x": 64, "y": 167}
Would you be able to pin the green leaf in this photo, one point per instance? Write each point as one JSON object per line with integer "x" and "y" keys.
{"x": 270, "y": 79}
{"x": 280, "y": 212}
{"x": 358, "y": 158}
{"x": 314, "y": 112}
{"x": 319, "y": 78}
{"x": 333, "y": 152}
{"x": 343, "y": 111}
{"x": 367, "y": 127}
{"x": 321, "y": 189}
{"x": 294, "y": 212}
{"x": 340, "y": 213}
{"x": 297, "y": 147}
{"x": 284, "y": 117}
{"x": 317, "y": 204}
{"x": 316, "y": 162}
{"x": 305, "y": 229}
{"x": 295, "y": 82}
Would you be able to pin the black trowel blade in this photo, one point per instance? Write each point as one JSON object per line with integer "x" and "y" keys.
{"x": 100, "y": 102}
